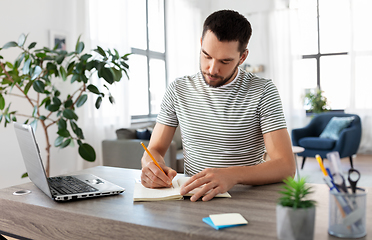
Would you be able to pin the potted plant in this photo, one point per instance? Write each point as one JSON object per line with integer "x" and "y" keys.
{"x": 295, "y": 214}
{"x": 317, "y": 101}
{"x": 34, "y": 76}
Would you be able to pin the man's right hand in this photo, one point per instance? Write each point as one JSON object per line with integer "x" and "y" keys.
{"x": 153, "y": 177}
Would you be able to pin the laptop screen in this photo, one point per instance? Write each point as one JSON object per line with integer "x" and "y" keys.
{"x": 31, "y": 156}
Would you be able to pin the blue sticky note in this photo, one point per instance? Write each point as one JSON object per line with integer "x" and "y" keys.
{"x": 209, "y": 221}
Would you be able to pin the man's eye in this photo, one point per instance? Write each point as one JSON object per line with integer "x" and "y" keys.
{"x": 224, "y": 62}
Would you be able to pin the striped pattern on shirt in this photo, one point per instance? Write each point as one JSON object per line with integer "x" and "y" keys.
{"x": 224, "y": 126}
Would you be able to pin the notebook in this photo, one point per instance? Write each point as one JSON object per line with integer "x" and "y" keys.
{"x": 61, "y": 188}
{"x": 142, "y": 193}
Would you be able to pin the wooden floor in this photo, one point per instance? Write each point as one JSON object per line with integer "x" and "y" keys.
{"x": 363, "y": 163}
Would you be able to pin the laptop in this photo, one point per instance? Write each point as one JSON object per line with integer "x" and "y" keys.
{"x": 60, "y": 188}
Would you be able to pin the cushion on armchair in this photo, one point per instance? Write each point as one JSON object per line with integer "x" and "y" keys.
{"x": 132, "y": 133}
{"x": 317, "y": 143}
{"x": 125, "y": 151}
{"x": 329, "y": 132}
{"x": 335, "y": 126}
{"x": 126, "y": 133}
{"x": 144, "y": 133}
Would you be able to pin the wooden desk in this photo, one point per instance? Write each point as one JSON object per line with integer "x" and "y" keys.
{"x": 116, "y": 217}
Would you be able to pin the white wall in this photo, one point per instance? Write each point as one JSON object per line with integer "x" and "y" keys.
{"x": 257, "y": 14}
{"x": 36, "y": 18}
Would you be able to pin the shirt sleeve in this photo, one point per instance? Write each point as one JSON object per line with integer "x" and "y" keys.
{"x": 167, "y": 114}
{"x": 271, "y": 110}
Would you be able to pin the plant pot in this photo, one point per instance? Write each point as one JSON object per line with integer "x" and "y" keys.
{"x": 295, "y": 224}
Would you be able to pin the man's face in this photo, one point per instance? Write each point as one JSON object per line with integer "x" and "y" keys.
{"x": 219, "y": 61}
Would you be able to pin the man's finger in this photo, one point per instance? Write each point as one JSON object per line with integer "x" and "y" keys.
{"x": 211, "y": 194}
{"x": 193, "y": 185}
{"x": 170, "y": 172}
{"x": 206, "y": 189}
{"x": 158, "y": 175}
{"x": 147, "y": 182}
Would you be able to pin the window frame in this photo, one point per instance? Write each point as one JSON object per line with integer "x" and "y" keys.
{"x": 151, "y": 55}
{"x": 318, "y": 55}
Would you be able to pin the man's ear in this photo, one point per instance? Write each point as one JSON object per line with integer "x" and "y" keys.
{"x": 243, "y": 56}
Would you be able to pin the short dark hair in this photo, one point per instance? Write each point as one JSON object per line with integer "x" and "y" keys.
{"x": 229, "y": 25}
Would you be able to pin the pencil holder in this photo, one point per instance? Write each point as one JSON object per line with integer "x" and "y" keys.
{"x": 347, "y": 214}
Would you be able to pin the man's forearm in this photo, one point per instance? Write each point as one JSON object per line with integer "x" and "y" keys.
{"x": 158, "y": 157}
{"x": 268, "y": 172}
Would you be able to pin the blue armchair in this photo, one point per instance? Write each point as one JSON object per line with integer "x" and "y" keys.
{"x": 308, "y": 137}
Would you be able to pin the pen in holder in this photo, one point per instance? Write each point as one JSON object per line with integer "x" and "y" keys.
{"x": 347, "y": 214}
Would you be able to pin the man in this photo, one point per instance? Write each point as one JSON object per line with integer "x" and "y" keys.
{"x": 227, "y": 117}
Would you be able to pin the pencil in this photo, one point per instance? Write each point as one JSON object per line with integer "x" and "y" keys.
{"x": 319, "y": 159}
{"x": 153, "y": 159}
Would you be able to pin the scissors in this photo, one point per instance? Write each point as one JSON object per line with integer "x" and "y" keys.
{"x": 351, "y": 178}
{"x": 339, "y": 180}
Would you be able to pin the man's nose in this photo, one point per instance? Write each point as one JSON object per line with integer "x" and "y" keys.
{"x": 213, "y": 67}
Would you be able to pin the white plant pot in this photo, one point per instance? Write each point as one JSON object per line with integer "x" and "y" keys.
{"x": 295, "y": 224}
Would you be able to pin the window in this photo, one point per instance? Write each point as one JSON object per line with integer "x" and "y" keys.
{"x": 325, "y": 36}
{"x": 148, "y": 75}
{"x": 336, "y": 48}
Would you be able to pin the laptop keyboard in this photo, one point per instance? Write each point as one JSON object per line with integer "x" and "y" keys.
{"x": 69, "y": 185}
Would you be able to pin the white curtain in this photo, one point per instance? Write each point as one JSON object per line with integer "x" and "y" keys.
{"x": 184, "y": 29}
{"x": 360, "y": 74}
{"x": 282, "y": 56}
{"x": 107, "y": 27}
{"x": 285, "y": 62}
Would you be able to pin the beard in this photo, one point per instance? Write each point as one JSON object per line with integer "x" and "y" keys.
{"x": 222, "y": 81}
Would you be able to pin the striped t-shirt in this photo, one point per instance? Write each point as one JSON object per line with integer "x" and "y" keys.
{"x": 224, "y": 126}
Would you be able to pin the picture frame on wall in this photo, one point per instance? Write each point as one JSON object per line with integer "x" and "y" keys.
{"x": 57, "y": 38}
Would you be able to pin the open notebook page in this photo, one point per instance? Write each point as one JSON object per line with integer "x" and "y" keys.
{"x": 142, "y": 193}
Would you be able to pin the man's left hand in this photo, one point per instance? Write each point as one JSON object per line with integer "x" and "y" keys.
{"x": 211, "y": 181}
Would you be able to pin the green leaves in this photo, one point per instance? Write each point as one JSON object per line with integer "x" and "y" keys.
{"x": 87, "y": 152}
{"x": 26, "y": 66}
{"x": 295, "y": 193}
{"x": 106, "y": 73}
{"x": 117, "y": 74}
{"x": 58, "y": 141}
{"x": 63, "y": 73}
{"x": 60, "y": 59}
{"x": 2, "y": 102}
{"x": 52, "y": 107}
{"x": 93, "y": 89}
{"x": 76, "y": 130}
{"x": 79, "y": 47}
{"x": 63, "y": 133}
{"x": 32, "y": 45}
{"x": 38, "y": 86}
{"x": 317, "y": 102}
{"x": 98, "y": 102}
{"x": 38, "y": 71}
{"x": 9, "y": 45}
{"x": 21, "y": 40}
{"x": 70, "y": 114}
{"x": 81, "y": 100}
{"x": 62, "y": 124}
{"x": 100, "y": 51}
{"x": 65, "y": 138}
